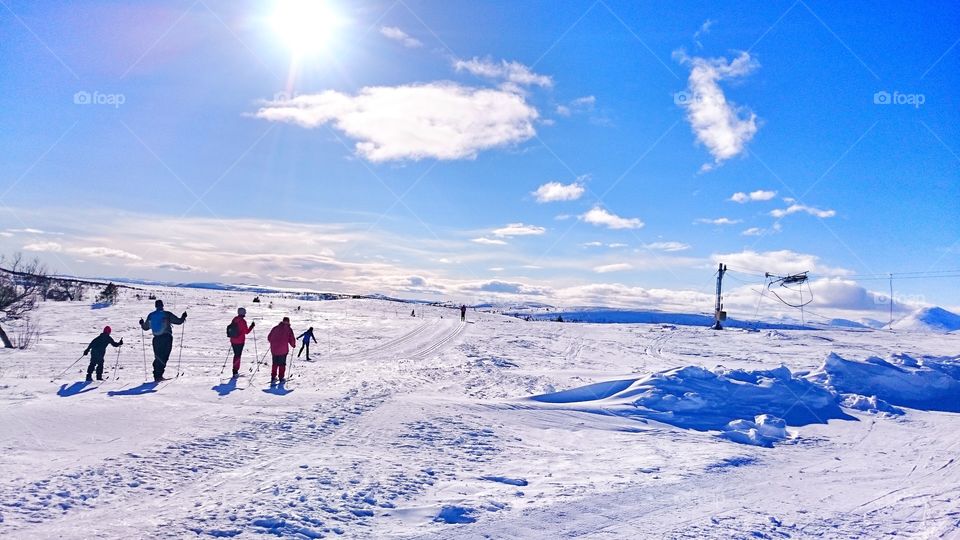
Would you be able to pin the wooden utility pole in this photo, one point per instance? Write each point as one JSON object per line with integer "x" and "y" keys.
{"x": 718, "y": 314}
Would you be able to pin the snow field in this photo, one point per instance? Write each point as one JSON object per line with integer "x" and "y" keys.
{"x": 407, "y": 427}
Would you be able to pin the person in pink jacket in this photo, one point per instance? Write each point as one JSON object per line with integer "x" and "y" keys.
{"x": 239, "y": 337}
{"x": 281, "y": 338}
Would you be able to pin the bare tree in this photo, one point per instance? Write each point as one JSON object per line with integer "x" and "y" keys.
{"x": 21, "y": 285}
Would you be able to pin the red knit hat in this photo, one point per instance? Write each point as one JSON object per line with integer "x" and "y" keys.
{"x": 106, "y": 329}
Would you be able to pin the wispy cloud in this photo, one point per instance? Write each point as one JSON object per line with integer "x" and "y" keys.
{"x": 106, "y": 253}
{"x": 519, "y": 229}
{"x": 398, "y": 35}
{"x": 603, "y": 218}
{"x": 718, "y": 221}
{"x": 797, "y": 208}
{"x": 439, "y": 120}
{"x": 52, "y": 247}
{"x": 555, "y": 191}
{"x": 511, "y": 72}
{"x": 489, "y": 241}
{"x": 759, "y": 195}
{"x": 666, "y": 246}
{"x": 720, "y": 125}
{"x": 781, "y": 262}
{"x": 581, "y": 104}
{"x": 616, "y": 267}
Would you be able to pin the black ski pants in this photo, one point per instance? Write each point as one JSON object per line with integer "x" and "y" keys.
{"x": 162, "y": 346}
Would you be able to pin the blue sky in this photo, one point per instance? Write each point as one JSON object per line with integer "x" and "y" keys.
{"x": 396, "y": 153}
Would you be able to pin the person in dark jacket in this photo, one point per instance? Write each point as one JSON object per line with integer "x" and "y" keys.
{"x": 97, "y": 349}
{"x": 305, "y": 338}
{"x": 239, "y": 338}
{"x": 463, "y": 312}
{"x": 159, "y": 322}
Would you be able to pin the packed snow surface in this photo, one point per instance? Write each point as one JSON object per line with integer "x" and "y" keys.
{"x": 426, "y": 427}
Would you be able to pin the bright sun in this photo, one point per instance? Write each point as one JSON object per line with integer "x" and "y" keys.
{"x": 306, "y": 26}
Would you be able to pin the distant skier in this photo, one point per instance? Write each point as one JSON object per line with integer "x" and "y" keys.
{"x": 159, "y": 322}
{"x": 281, "y": 338}
{"x": 463, "y": 313}
{"x": 98, "y": 348}
{"x": 413, "y": 312}
{"x": 239, "y": 337}
{"x": 305, "y": 339}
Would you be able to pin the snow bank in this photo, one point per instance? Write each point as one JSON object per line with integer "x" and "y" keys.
{"x": 932, "y": 319}
{"x": 764, "y": 430}
{"x": 747, "y": 406}
{"x": 870, "y": 404}
{"x": 928, "y": 383}
{"x": 628, "y": 316}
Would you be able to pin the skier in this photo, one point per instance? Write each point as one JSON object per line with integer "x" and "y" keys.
{"x": 159, "y": 322}
{"x": 305, "y": 341}
{"x": 281, "y": 338}
{"x": 463, "y": 312}
{"x": 239, "y": 337}
{"x": 99, "y": 348}
{"x": 413, "y": 312}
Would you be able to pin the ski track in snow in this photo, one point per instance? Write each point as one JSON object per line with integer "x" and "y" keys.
{"x": 351, "y": 495}
{"x": 406, "y": 427}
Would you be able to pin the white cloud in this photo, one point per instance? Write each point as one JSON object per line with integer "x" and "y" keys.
{"x": 505, "y": 287}
{"x": 106, "y": 253}
{"x": 439, "y": 120}
{"x": 616, "y": 245}
{"x": 519, "y": 229}
{"x": 43, "y": 247}
{"x": 511, "y": 72}
{"x": 721, "y": 126}
{"x": 581, "y": 104}
{"x": 178, "y": 267}
{"x": 607, "y": 268}
{"x": 555, "y": 191}
{"x": 240, "y": 274}
{"x": 667, "y": 246}
{"x": 396, "y": 34}
{"x": 601, "y": 217}
{"x": 489, "y": 241}
{"x": 495, "y": 269}
{"x": 795, "y": 208}
{"x": 592, "y": 244}
{"x": 718, "y": 221}
{"x": 782, "y": 262}
{"x": 758, "y": 231}
{"x": 759, "y": 195}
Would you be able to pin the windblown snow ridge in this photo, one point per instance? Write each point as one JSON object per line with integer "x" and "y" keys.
{"x": 755, "y": 407}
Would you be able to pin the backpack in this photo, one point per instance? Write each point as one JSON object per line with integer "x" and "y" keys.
{"x": 232, "y": 329}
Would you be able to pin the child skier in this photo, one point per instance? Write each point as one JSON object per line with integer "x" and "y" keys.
{"x": 99, "y": 348}
{"x": 305, "y": 338}
{"x": 239, "y": 337}
{"x": 281, "y": 338}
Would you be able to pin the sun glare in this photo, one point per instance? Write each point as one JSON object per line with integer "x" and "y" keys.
{"x": 305, "y": 26}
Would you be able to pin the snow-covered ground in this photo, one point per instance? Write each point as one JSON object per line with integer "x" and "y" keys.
{"x": 425, "y": 427}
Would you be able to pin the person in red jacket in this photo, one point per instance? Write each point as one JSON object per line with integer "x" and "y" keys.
{"x": 239, "y": 337}
{"x": 281, "y": 338}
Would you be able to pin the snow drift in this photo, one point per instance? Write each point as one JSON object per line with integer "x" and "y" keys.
{"x": 746, "y": 406}
{"x": 931, "y": 319}
{"x": 929, "y": 383}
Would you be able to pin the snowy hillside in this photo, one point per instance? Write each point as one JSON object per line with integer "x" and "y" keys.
{"x": 426, "y": 427}
{"x": 932, "y": 319}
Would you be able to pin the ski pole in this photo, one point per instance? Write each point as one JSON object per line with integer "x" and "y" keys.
{"x": 68, "y": 368}
{"x": 225, "y": 360}
{"x": 117, "y": 364}
{"x": 143, "y": 347}
{"x": 180, "y": 354}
